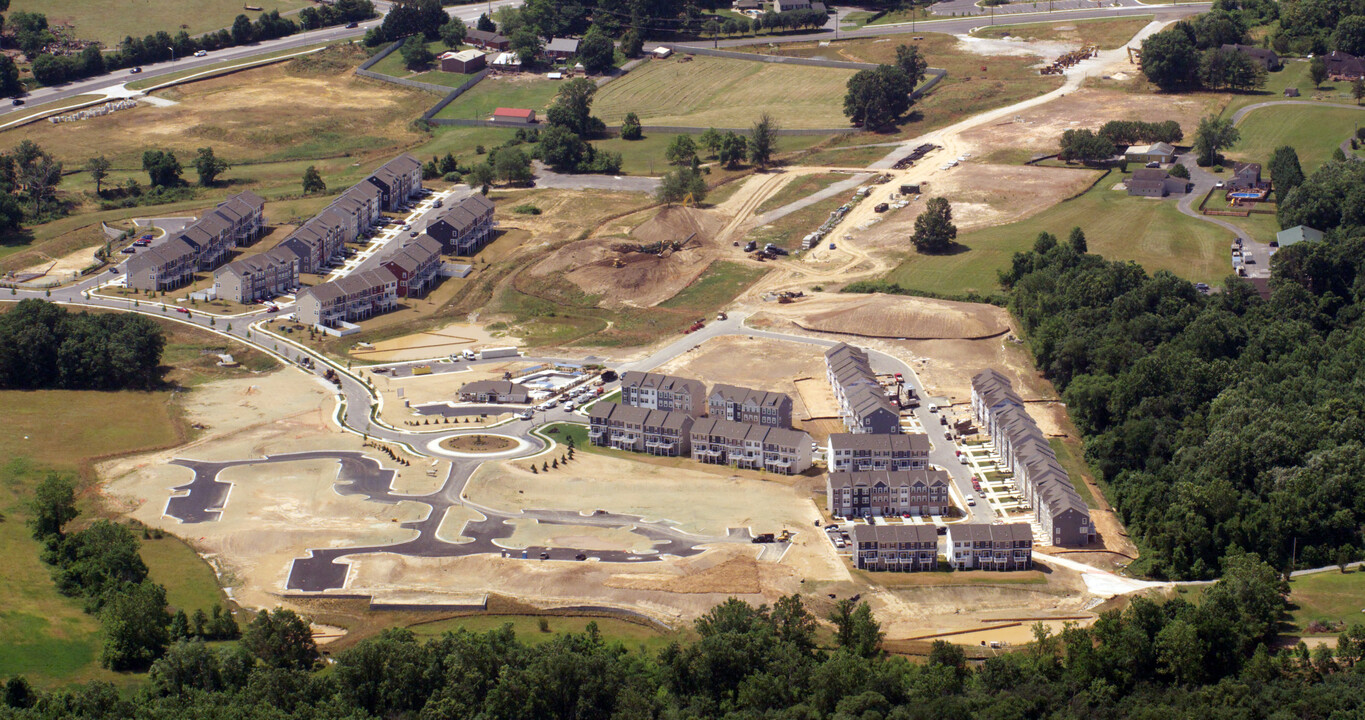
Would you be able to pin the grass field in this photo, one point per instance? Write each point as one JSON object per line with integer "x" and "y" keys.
{"x": 726, "y": 93}
{"x": 1150, "y": 232}
{"x": 1294, "y": 74}
{"x": 1072, "y": 457}
{"x": 170, "y": 77}
{"x": 393, "y": 66}
{"x": 1313, "y": 131}
{"x": 799, "y": 188}
{"x": 516, "y": 91}
{"x": 1328, "y": 597}
{"x": 788, "y": 231}
{"x": 109, "y": 21}
{"x": 527, "y": 628}
{"x": 1107, "y": 33}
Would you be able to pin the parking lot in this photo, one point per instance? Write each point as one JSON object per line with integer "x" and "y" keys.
{"x": 410, "y": 225}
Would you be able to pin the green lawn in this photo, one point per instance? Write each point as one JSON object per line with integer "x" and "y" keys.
{"x": 1152, "y": 233}
{"x": 801, "y": 187}
{"x": 1294, "y": 74}
{"x": 1260, "y": 227}
{"x": 109, "y": 21}
{"x": 392, "y": 65}
{"x": 721, "y": 282}
{"x": 1313, "y": 131}
{"x": 1107, "y": 33}
{"x": 190, "y": 582}
{"x": 788, "y": 231}
{"x": 519, "y": 91}
{"x": 1070, "y": 455}
{"x": 528, "y": 630}
{"x": 1328, "y": 597}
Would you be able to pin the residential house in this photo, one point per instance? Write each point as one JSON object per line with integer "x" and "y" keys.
{"x": 258, "y": 277}
{"x": 718, "y": 441}
{"x": 982, "y": 546}
{"x": 863, "y": 404}
{"x": 1246, "y": 176}
{"x": 856, "y": 452}
{"x": 415, "y": 265}
{"x": 398, "y": 180}
{"x": 561, "y": 48}
{"x": 1062, "y": 516}
{"x": 1297, "y": 234}
{"x": 486, "y": 40}
{"x": 464, "y": 61}
{"x": 318, "y": 241}
{"x": 1159, "y": 152}
{"x": 350, "y": 299}
{"x": 464, "y": 227}
{"x": 1155, "y": 182}
{"x": 752, "y": 406}
{"x": 886, "y": 493}
{"x": 656, "y": 432}
{"x": 494, "y": 391}
{"x": 1344, "y": 66}
{"x": 1265, "y": 57}
{"x": 663, "y": 392}
{"x": 165, "y": 266}
{"x": 742, "y": 5}
{"x": 514, "y": 116}
{"x": 898, "y": 548}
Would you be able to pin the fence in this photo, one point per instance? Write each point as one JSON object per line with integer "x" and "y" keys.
{"x": 365, "y": 72}
{"x": 438, "y": 107}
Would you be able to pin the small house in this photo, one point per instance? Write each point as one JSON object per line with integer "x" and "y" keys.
{"x": 1156, "y": 152}
{"x": 464, "y": 62}
{"x": 662, "y": 52}
{"x": 487, "y": 40}
{"x": 514, "y": 116}
{"x": 561, "y": 48}
{"x": 1246, "y": 176}
{"x": 1344, "y": 66}
{"x": 1155, "y": 182}
{"x": 1297, "y": 234}
{"x": 1265, "y": 57}
{"x": 742, "y": 5}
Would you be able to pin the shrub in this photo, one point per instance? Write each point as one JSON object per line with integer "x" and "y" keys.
{"x": 526, "y": 209}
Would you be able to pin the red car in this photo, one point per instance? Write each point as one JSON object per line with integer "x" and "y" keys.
{"x": 182, "y": 310}
{"x": 272, "y": 308}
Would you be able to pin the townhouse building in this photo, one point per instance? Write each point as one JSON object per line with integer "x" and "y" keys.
{"x": 884, "y": 493}
{"x": 397, "y": 180}
{"x": 895, "y": 548}
{"x": 245, "y": 213}
{"x": 209, "y": 240}
{"x": 858, "y": 452}
{"x": 863, "y": 404}
{"x": 751, "y": 447}
{"x": 350, "y": 299}
{"x": 465, "y": 226}
{"x": 1024, "y": 450}
{"x": 258, "y": 277}
{"x": 212, "y": 240}
{"x": 415, "y": 265}
{"x": 318, "y": 242}
{"x": 663, "y": 392}
{"x": 656, "y": 432}
{"x": 743, "y": 404}
{"x": 166, "y": 266}
{"x": 983, "y": 546}
{"x": 494, "y": 391}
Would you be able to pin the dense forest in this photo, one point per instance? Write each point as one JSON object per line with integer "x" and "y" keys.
{"x": 1218, "y": 423}
{"x": 42, "y": 346}
{"x": 1172, "y": 659}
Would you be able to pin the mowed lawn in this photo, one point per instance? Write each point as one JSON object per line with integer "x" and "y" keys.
{"x": 516, "y": 91}
{"x": 721, "y": 92}
{"x": 1152, "y": 233}
{"x": 1106, "y": 33}
{"x": 109, "y": 21}
{"x": 1328, "y": 597}
{"x": 1313, "y": 131}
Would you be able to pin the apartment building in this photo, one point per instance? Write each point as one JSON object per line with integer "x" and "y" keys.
{"x": 494, "y": 391}
{"x": 258, "y": 277}
{"x": 397, "y": 180}
{"x": 858, "y": 452}
{"x": 166, "y": 266}
{"x": 318, "y": 242}
{"x": 751, "y": 447}
{"x": 663, "y": 392}
{"x": 885, "y": 493}
{"x": 982, "y": 546}
{"x": 656, "y": 432}
{"x": 415, "y": 265}
{"x": 743, "y": 404}
{"x": 350, "y": 299}
{"x": 465, "y": 226}
{"x": 1023, "y": 448}
{"x": 896, "y": 548}
{"x": 863, "y": 404}
{"x": 209, "y": 240}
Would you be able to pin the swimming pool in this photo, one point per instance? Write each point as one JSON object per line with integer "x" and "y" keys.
{"x": 1244, "y": 195}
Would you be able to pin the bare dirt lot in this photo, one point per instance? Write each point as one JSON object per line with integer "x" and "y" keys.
{"x": 899, "y": 316}
{"x": 644, "y": 279}
{"x": 443, "y": 341}
{"x": 435, "y": 388}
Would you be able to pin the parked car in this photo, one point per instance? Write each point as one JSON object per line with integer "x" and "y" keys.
{"x": 971, "y": 502}
{"x": 128, "y": 250}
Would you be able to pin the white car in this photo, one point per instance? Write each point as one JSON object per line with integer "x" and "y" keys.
{"x": 201, "y": 53}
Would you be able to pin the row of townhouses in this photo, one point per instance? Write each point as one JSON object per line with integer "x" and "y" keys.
{"x": 494, "y": 391}
{"x": 863, "y": 404}
{"x": 861, "y": 452}
{"x": 884, "y": 493}
{"x": 983, "y": 546}
{"x": 464, "y": 227}
{"x": 350, "y": 299}
{"x": 742, "y": 404}
{"x": 751, "y": 447}
{"x": 258, "y": 277}
{"x": 201, "y": 245}
{"x": 1023, "y": 448}
{"x": 899, "y": 548}
{"x": 663, "y": 392}
{"x": 637, "y": 429}
{"x": 416, "y": 265}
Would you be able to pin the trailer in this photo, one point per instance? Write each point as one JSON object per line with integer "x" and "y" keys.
{"x": 493, "y": 353}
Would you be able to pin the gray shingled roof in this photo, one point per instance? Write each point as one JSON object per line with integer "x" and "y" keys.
{"x": 901, "y": 442}
{"x": 900, "y": 533}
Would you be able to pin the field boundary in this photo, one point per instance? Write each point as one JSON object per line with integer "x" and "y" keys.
{"x": 365, "y": 72}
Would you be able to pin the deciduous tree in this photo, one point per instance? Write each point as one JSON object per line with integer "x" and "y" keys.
{"x": 934, "y": 228}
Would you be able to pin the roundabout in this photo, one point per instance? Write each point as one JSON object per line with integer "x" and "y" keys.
{"x": 479, "y": 445}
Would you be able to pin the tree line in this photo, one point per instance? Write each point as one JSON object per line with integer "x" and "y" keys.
{"x": 1189, "y": 55}
{"x": 1303, "y": 27}
{"x": 42, "y": 346}
{"x": 1153, "y": 659}
{"x": 29, "y": 177}
{"x": 160, "y": 46}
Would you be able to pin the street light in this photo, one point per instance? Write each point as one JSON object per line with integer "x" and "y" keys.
{"x": 172, "y": 53}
